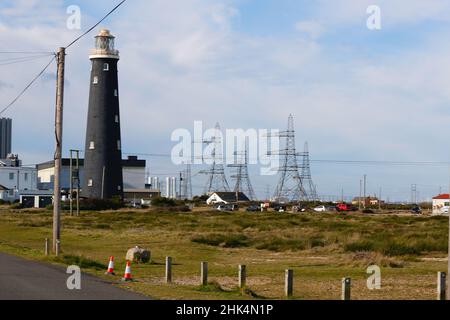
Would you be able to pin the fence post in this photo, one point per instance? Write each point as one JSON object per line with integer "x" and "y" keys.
{"x": 47, "y": 246}
{"x": 289, "y": 283}
{"x": 168, "y": 269}
{"x": 204, "y": 273}
{"x": 441, "y": 286}
{"x": 58, "y": 246}
{"x": 346, "y": 288}
{"x": 242, "y": 276}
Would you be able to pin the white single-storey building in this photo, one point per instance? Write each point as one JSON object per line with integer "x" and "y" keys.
{"x": 441, "y": 204}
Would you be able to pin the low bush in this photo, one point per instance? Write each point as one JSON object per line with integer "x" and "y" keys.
{"x": 223, "y": 240}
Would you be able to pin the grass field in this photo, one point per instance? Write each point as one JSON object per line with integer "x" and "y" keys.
{"x": 320, "y": 248}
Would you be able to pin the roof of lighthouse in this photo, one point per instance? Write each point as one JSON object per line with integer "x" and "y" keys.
{"x": 105, "y": 33}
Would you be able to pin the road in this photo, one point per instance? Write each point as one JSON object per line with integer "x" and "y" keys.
{"x": 22, "y": 279}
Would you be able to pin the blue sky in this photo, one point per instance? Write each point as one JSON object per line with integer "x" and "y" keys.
{"x": 356, "y": 94}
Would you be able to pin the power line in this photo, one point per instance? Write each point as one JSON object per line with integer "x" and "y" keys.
{"x": 333, "y": 161}
{"x": 26, "y": 52}
{"x": 28, "y": 86}
{"x": 7, "y": 62}
{"x": 95, "y": 25}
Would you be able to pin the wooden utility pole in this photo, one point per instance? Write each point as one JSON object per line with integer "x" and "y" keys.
{"x": 360, "y": 194}
{"x": 379, "y": 200}
{"x": 58, "y": 152}
{"x": 365, "y": 183}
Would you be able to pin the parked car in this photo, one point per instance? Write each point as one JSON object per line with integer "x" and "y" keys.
{"x": 320, "y": 209}
{"x": 444, "y": 209}
{"x": 345, "y": 207}
{"x": 416, "y": 210}
{"x": 279, "y": 208}
{"x": 342, "y": 207}
{"x": 227, "y": 207}
{"x": 299, "y": 209}
{"x": 254, "y": 208}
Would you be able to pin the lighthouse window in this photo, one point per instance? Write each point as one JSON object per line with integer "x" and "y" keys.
{"x": 119, "y": 145}
{"x": 116, "y": 93}
{"x": 92, "y": 145}
{"x": 106, "y": 67}
{"x": 117, "y": 119}
{"x": 119, "y": 188}
{"x": 90, "y": 183}
{"x": 95, "y": 80}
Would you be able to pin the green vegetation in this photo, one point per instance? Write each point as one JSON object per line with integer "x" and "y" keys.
{"x": 320, "y": 248}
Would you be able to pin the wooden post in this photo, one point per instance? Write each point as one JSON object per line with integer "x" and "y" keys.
{"x": 168, "y": 269}
{"x": 289, "y": 283}
{"x": 441, "y": 285}
{"x": 346, "y": 288}
{"x": 242, "y": 276}
{"x": 204, "y": 273}
{"x": 58, "y": 248}
{"x": 58, "y": 152}
{"x": 47, "y": 246}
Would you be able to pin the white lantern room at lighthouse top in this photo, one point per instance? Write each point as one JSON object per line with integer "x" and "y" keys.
{"x": 104, "y": 46}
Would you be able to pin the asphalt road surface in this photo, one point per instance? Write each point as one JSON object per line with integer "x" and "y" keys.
{"x": 27, "y": 280}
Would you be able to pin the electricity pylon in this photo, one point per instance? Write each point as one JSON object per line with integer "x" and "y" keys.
{"x": 290, "y": 185}
{"x": 242, "y": 178}
{"x": 308, "y": 184}
{"x": 216, "y": 173}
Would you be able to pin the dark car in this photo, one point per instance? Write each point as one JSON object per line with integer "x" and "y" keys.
{"x": 416, "y": 210}
{"x": 254, "y": 208}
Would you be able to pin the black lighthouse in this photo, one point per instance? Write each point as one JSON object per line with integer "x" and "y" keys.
{"x": 103, "y": 155}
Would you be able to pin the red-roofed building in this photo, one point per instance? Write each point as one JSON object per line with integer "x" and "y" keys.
{"x": 441, "y": 204}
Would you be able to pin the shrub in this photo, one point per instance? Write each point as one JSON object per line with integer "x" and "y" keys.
{"x": 226, "y": 241}
{"x": 97, "y": 204}
{"x": 163, "y": 202}
{"x": 359, "y": 246}
{"x": 16, "y": 205}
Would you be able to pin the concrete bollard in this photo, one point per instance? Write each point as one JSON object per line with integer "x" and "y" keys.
{"x": 204, "y": 273}
{"x": 441, "y": 286}
{"x": 289, "y": 283}
{"x": 47, "y": 246}
{"x": 168, "y": 269}
{"x": 346, "y": 288}
{"x": 58, "y": 248}
{"x": 242, "y": 276}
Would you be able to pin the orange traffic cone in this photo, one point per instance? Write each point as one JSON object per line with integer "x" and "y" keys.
{"x": 127, "y": 275}
{"x": 111, "y": 267}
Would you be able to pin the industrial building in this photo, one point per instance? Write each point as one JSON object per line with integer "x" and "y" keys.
{"x": 171, "y": 188}
{"x": 5, "y": 137}
{"x": 103, "y": 174}
{"x": 133, "y": 171}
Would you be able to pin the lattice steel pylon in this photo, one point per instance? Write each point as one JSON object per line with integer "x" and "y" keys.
{"x": 217, "y": 181}
{"x": 290, "y": 185}
{"x": 242, "y": 178}
{"x": 307, "y": 181}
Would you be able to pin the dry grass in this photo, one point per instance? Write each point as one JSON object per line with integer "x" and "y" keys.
{"x": 320, "y": 248}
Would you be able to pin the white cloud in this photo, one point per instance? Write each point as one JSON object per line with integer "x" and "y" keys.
{"x": 312, "y": 28}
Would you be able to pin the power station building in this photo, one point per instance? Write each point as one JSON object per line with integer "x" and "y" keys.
{"x": 5, "y": 137}
{"x": 103, "y": 149}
